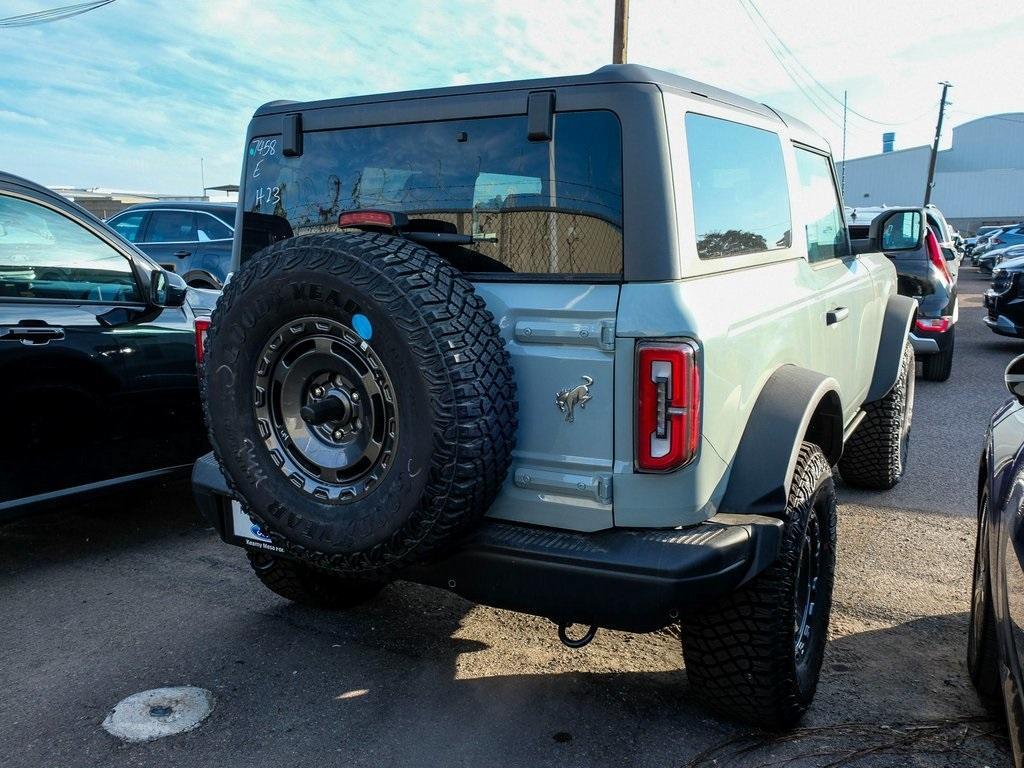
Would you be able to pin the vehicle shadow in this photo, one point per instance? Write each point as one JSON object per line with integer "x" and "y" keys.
{"x": 421, "y": 675}
{"x": 100, "y": 526}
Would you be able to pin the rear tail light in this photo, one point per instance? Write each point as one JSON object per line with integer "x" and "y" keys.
{"x": 202, "y": 325}
{"x": 933, "y": 325}
{"x": 668, "y": 405}
{"x": 372, "y": 218}
{"x": 936, "y": 257}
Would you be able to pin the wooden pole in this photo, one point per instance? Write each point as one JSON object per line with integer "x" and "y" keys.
{"x": 621, "y": 32}
{"x": 935, "y": 145}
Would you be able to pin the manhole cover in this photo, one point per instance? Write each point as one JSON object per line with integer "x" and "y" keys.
{"x": 157, "y": 713}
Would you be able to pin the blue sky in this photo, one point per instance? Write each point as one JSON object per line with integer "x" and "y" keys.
{"x": 132, "y": 95}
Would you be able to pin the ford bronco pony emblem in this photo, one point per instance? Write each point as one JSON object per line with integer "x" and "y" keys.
{"x": 567, "y": 399}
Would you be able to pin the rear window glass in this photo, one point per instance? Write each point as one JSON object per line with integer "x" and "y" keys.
{"x": 530, "y": 207}
{"x": 211, "y": 228}
{"x": 738, "y": 181}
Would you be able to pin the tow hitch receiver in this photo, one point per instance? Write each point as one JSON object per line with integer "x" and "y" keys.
{"x": 579, "y": 642}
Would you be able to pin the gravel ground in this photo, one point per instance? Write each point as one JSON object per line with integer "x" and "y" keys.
{"x": 106, "y": 599}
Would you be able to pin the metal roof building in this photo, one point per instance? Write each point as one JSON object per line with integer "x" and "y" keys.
{"x": 979, "y": 180}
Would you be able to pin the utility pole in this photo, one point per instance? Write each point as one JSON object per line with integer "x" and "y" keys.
{"x": 842, "y": 180}
{"x": 621, "y": 32}
{"x": 935, "y": 145}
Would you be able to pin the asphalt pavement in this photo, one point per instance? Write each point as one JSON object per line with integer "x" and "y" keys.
{"x": 106, "y": 599}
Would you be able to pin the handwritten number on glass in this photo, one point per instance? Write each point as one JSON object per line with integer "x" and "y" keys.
{"x": 268, "y": 195}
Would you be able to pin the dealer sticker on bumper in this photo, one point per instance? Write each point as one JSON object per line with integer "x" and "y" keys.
{"x": 243, "y": 527}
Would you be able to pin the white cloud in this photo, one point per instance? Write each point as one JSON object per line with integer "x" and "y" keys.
{"x": 132, "y": 95}
{"x": 7, "y": 115}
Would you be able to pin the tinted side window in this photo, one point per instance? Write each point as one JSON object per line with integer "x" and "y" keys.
{"x": 128, "y": 226}
{"x": 740, "y": 194}
{"x": 171, "y": 227}
{"x": 823, "y": 218}
{"x": 46, "y": 255}
{"x": 211, "y": 228}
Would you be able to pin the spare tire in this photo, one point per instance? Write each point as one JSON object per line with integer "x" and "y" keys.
{"x": 359, "y": 399}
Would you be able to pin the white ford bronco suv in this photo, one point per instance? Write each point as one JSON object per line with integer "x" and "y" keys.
{"x": 586, "y": 347}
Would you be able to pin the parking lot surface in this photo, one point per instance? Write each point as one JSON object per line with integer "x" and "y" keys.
{"x": 105, "y": 599}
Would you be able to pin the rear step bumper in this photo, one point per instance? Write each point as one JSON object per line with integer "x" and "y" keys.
{"x": 632, "y": 579}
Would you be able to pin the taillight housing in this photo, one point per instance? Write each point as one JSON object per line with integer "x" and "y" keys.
{"x": 202, "y": 325}
{"x": 934, "y": 324}
{"x": 668, "y": 408}
{"x": 936, "y": 257}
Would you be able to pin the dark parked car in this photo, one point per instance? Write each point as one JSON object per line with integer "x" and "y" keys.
{"x": 190, "y": 238}
{"x": 1004, "y": 301}
{"x": 993, "y": 257}
{"x": 995, "y": 644}
{"x": 97, "y": 355}
{"x": 924, "y": 273}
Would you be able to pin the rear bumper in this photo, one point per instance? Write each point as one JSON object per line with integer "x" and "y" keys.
{"x": 1005, "y": 312}
{"x": 631, "y": 579}
{"x": 923, "y": 345}
{"x": 1004, "y": 326}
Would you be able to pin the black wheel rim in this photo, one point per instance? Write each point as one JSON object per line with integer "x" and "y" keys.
{"x": 807, "y": 578}
{"x": 326, "y": 409}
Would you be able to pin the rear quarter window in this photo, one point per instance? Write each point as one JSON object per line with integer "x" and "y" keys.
{"x": 739, "y": 188}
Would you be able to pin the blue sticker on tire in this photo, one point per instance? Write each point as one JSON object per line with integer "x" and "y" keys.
{"x": 361, "y": 324}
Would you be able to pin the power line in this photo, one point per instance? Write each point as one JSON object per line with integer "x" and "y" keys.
{"x": 815, "y": 100}
{"x": 810, "y": 74}
{"x": 51, "y": 14}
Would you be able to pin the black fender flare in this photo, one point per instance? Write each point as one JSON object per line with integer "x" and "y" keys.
{"x": 900, "y": 312}
{"x": 794, "y": 405}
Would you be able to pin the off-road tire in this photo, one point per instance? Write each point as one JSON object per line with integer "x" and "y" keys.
{"x": 937, "y": 367}
{"x": 982, "y": 644}
{"x": 741, "y": 654}
{"x": 453, "y": 391}
{"x": 876, "y": 454}
{"x": 311, "y": 586}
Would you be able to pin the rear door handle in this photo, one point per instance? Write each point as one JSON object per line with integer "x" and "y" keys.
{"x": 836, "y": 315}
{"x": 182, "y": 254}
{"x": 31, "y": 335}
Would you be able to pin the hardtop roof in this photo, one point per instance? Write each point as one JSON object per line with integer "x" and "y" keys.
{"x": 608, "y": 74}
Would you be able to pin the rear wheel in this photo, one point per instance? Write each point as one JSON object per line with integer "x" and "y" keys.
{"x": 876, "y": 454}
{"x": 937, "y": 367}
{"x": 982, "y": 649}
{"x": 311, "y": 586}
{"x": 756, "y": 656}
